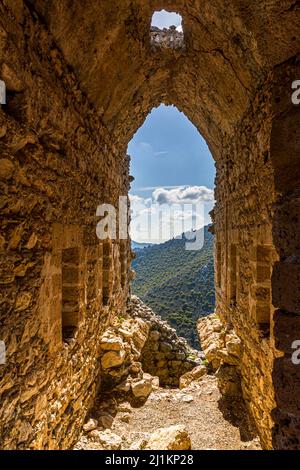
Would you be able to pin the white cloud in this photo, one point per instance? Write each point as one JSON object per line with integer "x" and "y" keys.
{"x": 135, "y": 199}
{"x": 183, "y": 195}
{"x": 161, "y": 154}
{"x": 165, "y": 19}
{"x": 169, "y": 211}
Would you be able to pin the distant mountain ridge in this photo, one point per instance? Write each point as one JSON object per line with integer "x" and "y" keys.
{"x": 139, "y": 246}
{"x": 178, "y": 284}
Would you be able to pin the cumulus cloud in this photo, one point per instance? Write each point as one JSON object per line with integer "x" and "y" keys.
{"x": 183, "y": 195}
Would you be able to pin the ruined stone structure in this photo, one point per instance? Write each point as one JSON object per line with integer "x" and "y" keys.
{"x": 142, "y": 344}
{"x": 81, "y": 78}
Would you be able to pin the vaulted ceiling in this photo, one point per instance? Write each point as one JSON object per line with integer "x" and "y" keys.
{"x": 230, "y": 47}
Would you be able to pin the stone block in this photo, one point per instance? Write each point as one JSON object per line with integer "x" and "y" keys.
{"x": 264, "y": 254}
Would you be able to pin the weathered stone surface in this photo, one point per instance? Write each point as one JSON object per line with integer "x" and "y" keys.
{"x": 187, "y": 399}
{"x": 166, "y": 39}
{"x": 106, "y": 420}
{"x": 125, "y": 418}
{"x": 6, "y": 168}
{"x": 108, "y": 439}
{"x": 12, "y": 81}
{"x": 90, "y": 425}
{"x": 111, "y": 344}
{"x": 23, "y": 301}
{"x": 286, "y": 330}
{"x": 286, "y": 281}
{"x": 125, "y": 408}
{"x": 220, "y": 345}
{"x": 51, "y": 141}
{"x": 124, "y": 386}
{"x": 229, "y": 381}
{"x": 31, "y": 242}
{"x": 209, "y": 329}
{"x": 142, "y": 337}
{"x": 3, "y": 130}
{"x": 172, "y": 438}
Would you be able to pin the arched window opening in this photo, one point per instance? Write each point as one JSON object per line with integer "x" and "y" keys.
{"x": 166, "y": 31}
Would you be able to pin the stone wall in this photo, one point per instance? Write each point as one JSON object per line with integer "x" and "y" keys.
{"x": 285, "y": 146}
{"x": 166, "y": 39}
{"x": 57, "y": 164}
{"x": 164, "y": 354}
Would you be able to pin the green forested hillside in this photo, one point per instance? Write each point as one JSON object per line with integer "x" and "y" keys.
{"x": 178, "y": 284}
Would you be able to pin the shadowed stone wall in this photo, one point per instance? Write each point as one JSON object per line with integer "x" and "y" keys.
{"x": 57, "y": 164}
{"x": 166, "y": 39}
{"x": 81, "y": 78}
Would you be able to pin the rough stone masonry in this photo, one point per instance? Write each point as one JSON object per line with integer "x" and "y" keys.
{"x": 81, "y": 77}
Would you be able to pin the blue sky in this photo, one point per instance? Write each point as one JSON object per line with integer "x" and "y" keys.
{"x": 163, "y": 19}
{"x": 171, "y": 164}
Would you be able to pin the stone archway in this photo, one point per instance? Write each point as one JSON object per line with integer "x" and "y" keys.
{"x": 81, "y": 79}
